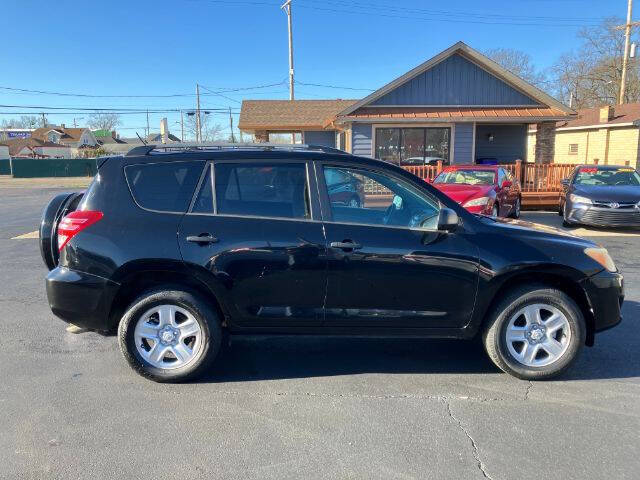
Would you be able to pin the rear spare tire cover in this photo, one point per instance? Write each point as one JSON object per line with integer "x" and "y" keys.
{"x": 59, "y": 206}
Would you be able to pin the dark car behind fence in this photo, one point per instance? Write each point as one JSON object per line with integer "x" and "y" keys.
{"x": 53, "y": 167}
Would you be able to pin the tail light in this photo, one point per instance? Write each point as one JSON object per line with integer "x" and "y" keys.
{"x": 74, "y": 223}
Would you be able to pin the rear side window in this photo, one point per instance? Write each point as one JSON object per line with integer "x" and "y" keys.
{"x": 167, "y": 187}
{"x": 264, "y": 190}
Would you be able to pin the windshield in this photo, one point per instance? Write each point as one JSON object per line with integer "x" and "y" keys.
{"x": 468, "y": 177}
{"x": 609, "y": 177}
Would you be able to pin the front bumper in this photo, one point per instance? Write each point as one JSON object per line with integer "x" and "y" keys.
{"x": 603, "y": 217}
{"x": 80, "y": 298}
{"x": 605, "y": 292}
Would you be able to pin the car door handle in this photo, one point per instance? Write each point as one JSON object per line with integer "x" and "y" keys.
{"x": 204, "y": 238}
{"x": 346, "y": 245}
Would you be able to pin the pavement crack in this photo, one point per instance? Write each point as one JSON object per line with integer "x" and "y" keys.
{"x": 528, "y": 390}
{"x": 476, "y": 453}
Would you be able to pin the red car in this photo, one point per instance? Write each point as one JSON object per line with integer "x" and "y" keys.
{"x": 488, "y": 190}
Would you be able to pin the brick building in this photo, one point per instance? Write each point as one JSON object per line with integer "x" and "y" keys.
{"x": 606, "y": 135}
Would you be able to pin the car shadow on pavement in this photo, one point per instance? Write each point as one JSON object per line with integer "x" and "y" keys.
{"x": 270, "y": 358}
{"x": 615, "y": 353}
{"x": 614, "y": 356}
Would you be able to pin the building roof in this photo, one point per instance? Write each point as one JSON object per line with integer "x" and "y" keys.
{"x": 68, "y": 135}
{"x": 476, "y": 57}
{"x": 17, "y": 144}
{"x": 626, "y": 113}
{"x": 103, "y": 140}
{"x": 289, "y": 114}
{"x": 459, "y": 114}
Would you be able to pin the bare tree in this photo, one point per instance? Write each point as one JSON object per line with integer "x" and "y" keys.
{"x": 104, "y": 121}
{"x": 591, "y": 74}
{"x": 520, "y": 64}
{"x": 25, "y": 121}
{"x": 210, "y": 132}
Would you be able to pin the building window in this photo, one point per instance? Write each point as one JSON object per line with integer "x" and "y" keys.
{"x": 413, "y": 146}
{"x": 573, "y": 149}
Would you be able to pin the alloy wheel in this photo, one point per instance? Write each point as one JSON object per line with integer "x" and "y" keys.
{"x": 168, "y": 336}
{"x": 538, "y": 335}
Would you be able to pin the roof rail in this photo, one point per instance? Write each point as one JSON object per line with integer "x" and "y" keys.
{"x": 193, "y": 146}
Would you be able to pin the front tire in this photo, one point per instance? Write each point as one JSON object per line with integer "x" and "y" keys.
{"x": 534, "y": 333}
{"x": 354, "y": 202}
{"x": 170, "y": 335}
{"x": 566, "y": 223}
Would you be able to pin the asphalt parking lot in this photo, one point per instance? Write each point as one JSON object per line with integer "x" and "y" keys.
{"x": 279, "y": 408}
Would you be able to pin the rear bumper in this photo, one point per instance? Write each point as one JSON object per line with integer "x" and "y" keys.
{"x": 605, "y": 291}
{"x": 80, "y": 298}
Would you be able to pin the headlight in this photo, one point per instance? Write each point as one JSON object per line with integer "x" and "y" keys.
{"x": 477, "y": 202}
{"x": 578, "y": 199}
{"x": 601, "y": 256}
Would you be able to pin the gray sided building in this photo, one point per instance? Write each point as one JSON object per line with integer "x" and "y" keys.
{"x": 459, "y": 106}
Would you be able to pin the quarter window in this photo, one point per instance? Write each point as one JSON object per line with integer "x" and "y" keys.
{"x": 373, "y": 198}
{"x": 166, "y": 187}
{"x": 264, "y": 190}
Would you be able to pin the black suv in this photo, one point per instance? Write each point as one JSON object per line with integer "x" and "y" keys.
{"x": 175, "y": 247}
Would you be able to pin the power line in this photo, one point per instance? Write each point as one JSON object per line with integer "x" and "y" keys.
{"x": 220, "y": 95}
{"x": 334, "y": 86}
{"x": 365, "y": 9}
{"x": 85, "y": 95}
{"x": 455, "y": 13}
{"x": 109, "y": 110}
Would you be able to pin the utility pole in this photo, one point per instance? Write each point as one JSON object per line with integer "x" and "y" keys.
{"x": 182, "y": 126}
{"x": 233, "y": 139}
{"x": 44, "y": 120}
{"x": 148, "y": 132}
{"x": 198, "y": 123}
{"x": 627, "y": 34}
{"x": 287, "y": 8}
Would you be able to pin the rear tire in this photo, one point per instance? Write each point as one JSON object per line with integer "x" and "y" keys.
{"x": 545, "y": 346}
{"x": 170, "y": 335}
{"x": 516, "y": 208}
{"x": 495, "y": 212}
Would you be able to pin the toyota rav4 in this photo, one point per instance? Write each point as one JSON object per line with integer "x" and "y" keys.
{"x": 175, "y": 246}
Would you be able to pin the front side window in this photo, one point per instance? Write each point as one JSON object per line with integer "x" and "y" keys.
{"x": 263, "y": 190}
{"x": 375, "y": 198}
{"x": 413, "y": 146}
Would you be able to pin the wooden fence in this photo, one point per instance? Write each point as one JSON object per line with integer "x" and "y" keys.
{"x": 540, "y": 182}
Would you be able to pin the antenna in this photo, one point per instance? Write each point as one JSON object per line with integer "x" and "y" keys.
{"x": 141, "y": 138}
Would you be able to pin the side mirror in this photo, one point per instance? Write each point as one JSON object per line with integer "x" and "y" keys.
{"x": 447, "y": 220}
{"x": 507, "y": 184}
{"x": 565, "y": 182}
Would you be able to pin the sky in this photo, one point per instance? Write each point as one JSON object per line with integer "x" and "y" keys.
{"x": 137, "y": 49}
